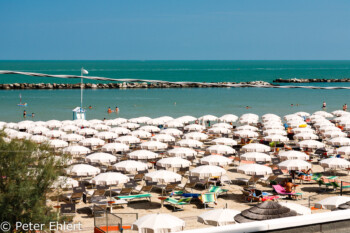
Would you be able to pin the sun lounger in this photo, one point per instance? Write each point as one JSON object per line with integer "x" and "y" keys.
{"x": 129, "y": 198}
{"x": 326, "y": 183}
{"x": 217, "y": 190}
{"x": 175, "y": 203}
{"x": 279, "y": 189}
{"x": 72, "y": 198}
{"x": 343, "y": 185}
{"x": 208, "y": 198}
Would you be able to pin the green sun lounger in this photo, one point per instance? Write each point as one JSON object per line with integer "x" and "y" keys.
{"x": 135, "y": 197}
{"x": 208, "y": 198}
{"x": 336, "y": 185}
{"x": 326, "y": 185}
{"x": 217, "y": 190}
{"x": 175, "y": 203}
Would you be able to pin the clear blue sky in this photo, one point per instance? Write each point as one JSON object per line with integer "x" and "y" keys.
{"x": 178, "y": 29}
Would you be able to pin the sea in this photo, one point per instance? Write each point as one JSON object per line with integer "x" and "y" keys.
{"x": 175, "y": 102}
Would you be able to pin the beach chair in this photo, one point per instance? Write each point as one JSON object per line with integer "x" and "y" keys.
{"x": 252, "y": 180}
{"x": 96, "y": 194}
{"x": 341, "y": 184}
{"x": 195, "y": 179}
{"x": 125, "y": 191}
{"x": 325, "y": 183}
{"x": 279, "y": 189}
{"x": 268, "y": 180}
{"x": 72, "y": 198}
{"x": 67, "y": 211}
{"x": 139, "y": 177}
{"x": 178, "y": 203}
{"x": 130, "y": 198}
{"x": 143, "y": 189}
{"x": 208, "y": 198}
{"x": 217, "y": 190}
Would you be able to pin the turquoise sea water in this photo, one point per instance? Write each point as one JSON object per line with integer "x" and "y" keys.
{"x": 57, "y": 104}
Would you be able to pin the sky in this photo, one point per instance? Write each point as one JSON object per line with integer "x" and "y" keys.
{"x": 175, "y": 30}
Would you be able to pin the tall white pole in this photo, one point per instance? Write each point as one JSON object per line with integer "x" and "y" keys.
{"x": 81, "y": 90}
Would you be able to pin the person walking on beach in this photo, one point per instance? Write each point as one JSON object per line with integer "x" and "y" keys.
{"x": 324, "y": 105}
{"x": 24, "y": 114}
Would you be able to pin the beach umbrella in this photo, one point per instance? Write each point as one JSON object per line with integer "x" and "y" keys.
{"x": 273, "y": 127}
{"x": 331, "y": 203}
{"x": 335, "y": 163}
{"x": 292, "y": 155}
{"x": 163, "y": 138}
{"x": 256, "y": 156}
{"x": 153, "y": 145}
{"x": 305, "y": 136}
{"x": 38, "y": 130}
{"x": 312, "y": 144}
{"x": 323, "y": 123}
{"x": 323, "y": 113}
{"x": 115, "y": 147}
{"x": 264, "y": 211}
{"x": 141, "y": 134}
{"x": 142, "y": 155}
{"x": 101, "y": 157}
{"x": 303, "y": 130}
{"x": 300, "y": 209}
{"x": 69, "y": 128}
{"x": 256, "y": 147}
{"x": 329, "y": 129}
{"x": 116, "y": 121}
{"x": 276, "y": 138}
{"x": 82, "y": 123}
{"x": 224, "y": 141}
{"x": 229, "y": 118}
{"x": 248, "y": 121}
{"x": 246, "y": 134}
{"x": 254, "y": 169}
{"x": 92, "y": 142}
{"x": 218, "y": 217}
{"x": 341, "y": 119}
{"x": 82, "y": 170}
{"x": 67, "y": 122}
{"x": 150, "y": 129}
{"x": 216, "y": 160}
{"x": 158, "y": 223}
{"x": 39, "y": 123}
{"x": 53, "y": 124}
{"x": 65, "y": 182}
{"x": 57, "y": 143}
{"x": 182, "y": 152}
{"x": 339, "y": 113}
{"x": 247, "y": 127}
{"x": 294, "y": 164}
{"x": 130, "y": 125}
{"x": 110, "y": 178}
{"x": 120, "y": 130}
{"x": 139, "y": 120}
{"x": 223, "y": 125}
{"x": 101, "y": 127}
{"x": 156, "y": 121}
{"x": 174, "y": 124}
{"x": 208, "y": 118}
{"x": 339, "y": 141}
{"x": 163, "y": 176}
{"x": 345, "y": 150}
{"x": 106, "y": 135}
{"x": 173, "y": 162}
{"x": 189, "y": 143}
{"x": 11, "y": 125}
{"x": 39, "y": 139}
{"x": 275, "y": 132}
{"x": 196, "y": 136}
{"x": 76, "y": 150}
{"x": 249, "y": 115}
{"x": 54, "y": 133}
{"x": 95, "y": 121}
{"x": 221, "y": 149}
{"x": 23, "y": 125}
{"x": 87, "y": 132}
{"x": 72, "y": 137}
{"x": 270, "y": 116}
{"x": 207, "y": 171}
{"x": 130, "y": 166}
{"x": 128, "y": 139}
{"x": 186, "y": 119}
{"x": 303, "y": 114}
{"x": 219, "y": 130}
{"x": 20, "y": 135}
{"x": 344, "y": 206}
{"x": 194, "y": 127}
{"x": 172, "y": 132}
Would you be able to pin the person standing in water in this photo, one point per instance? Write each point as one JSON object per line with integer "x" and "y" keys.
{"x": 324, "y": 105}
{"x": 109, "y": 110}
{"x": 116, "y": 109}
{"x": 24, "y": 114}
{"x": 345, "y": 107}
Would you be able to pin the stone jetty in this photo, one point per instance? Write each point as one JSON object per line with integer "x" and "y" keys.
{"x": 311, "y": 80}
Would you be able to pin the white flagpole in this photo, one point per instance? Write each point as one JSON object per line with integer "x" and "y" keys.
{"x": 81, "y": 90}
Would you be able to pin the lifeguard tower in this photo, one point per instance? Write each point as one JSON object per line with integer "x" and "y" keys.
{"x": 78, "y": 113}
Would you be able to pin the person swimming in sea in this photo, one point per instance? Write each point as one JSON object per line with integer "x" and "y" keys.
{"x": 109, "y": 110}
{"x": 116, "y": 109}
{"x": 24, "y": 114}
{"x": 324, "y": 105}
{"x": 90, "y": 107}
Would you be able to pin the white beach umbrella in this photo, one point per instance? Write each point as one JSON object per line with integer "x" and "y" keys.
{"x": 130, "y": 166}
{"x": 163, "y": 138}
{"x": 323, "y": 123}
{"x": 158, "y": 223}
{"x": 130, "y": 125}
{"x": 95, "y": 121}
{"x": 300, "y": 209}
{"x": 221, "y": 149}
{"x": 295, "y": 164}
{"x": 335, "y": 163}
{"x": 303, "y": 130}
{"x": 53, "y": 124}
{"x": 83, "y": 123}
{"x": 76, "y": 150}
{"x": 83, "y": 170}
{"x": 128, "y": 139}
{"x": 11, "y": 125}
{"x": 276, "y": 138}
{"x": 139, "y": 120}
{"x": 173, "y": 162}
{"x": 101, "y": 127}
{"x": 21, "y": 135}
{"x": 246, "y": 134}
{"x": 223, "y": 125}
{"x": 332, "y": 203}
{"x": 141, "y": 134}
{"x": 334, "y": 134}
{"x": 106, "y": 135}
{"x": 194, "y": 127}
{"x": 273, "y": 127}
{"x": 329, "y": 129}
{"x": 339, "y": 113}
{"x": 54, "y": 133}
{"x": 142, "y": 155}
{"x": 25, "y": 125}
{"x": 115, "y": 147}
{"x": 72, "y": 137}
{"x": 292, "y": 155}
{"x": 218, "y": 217}
{"x": 174, "y": 124}
{"x": 345, "y": 150}
{"x": 172, "y": 132}
{"x": 254, "y": 169}
{"x": 101, "y": 157}
{"x": 303, "y": 114}
{"x": 256, "y": 147}
{"x": 69, "y": 128}
{"x": 67, "y": 122}
{"x": 270, "y": 116}
{"x": 312, "y": 144}
{"x": 110, "y": 178}
{"x": 87, "y": 132}
{"x": 305, "y": 136}
{"x": 153, "y": 145}
{"x": 115, "y": 122}
{"x": 150, "y": 129}
{"x": 120, "y": 130}
{"x": 39, "y": 139}
{"x": 186, "y": 119}
{"x": 224, "y": 141}
{"x": 341, "y": 119}
{"x": 248, "y": 121}
{"x": 92, "y": 142}
{"x": 229, "y": 118}
{"x": 247, "y": 127}
{"x": 207, "y": 171}
{"x": 156, "y": 121}
{"x": 182, "y": 152}
{"x": 163, "y": 176}
{"x": 340, "y": 141}
{"x": 256, "y": 156}
{"x": 275, "y": 132}
{"x": 249, "y": 115}
{"x": 216, "y": 160}
{"x": 219, "y": 130}
{"x": 37, "y": 130}
{"x": 65, "y": 182}
{"x": 208, "y": 118}
{"x": 196, "y": 136}
{"x": 56, "y": 143}
{"x": 189, "y": 143}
